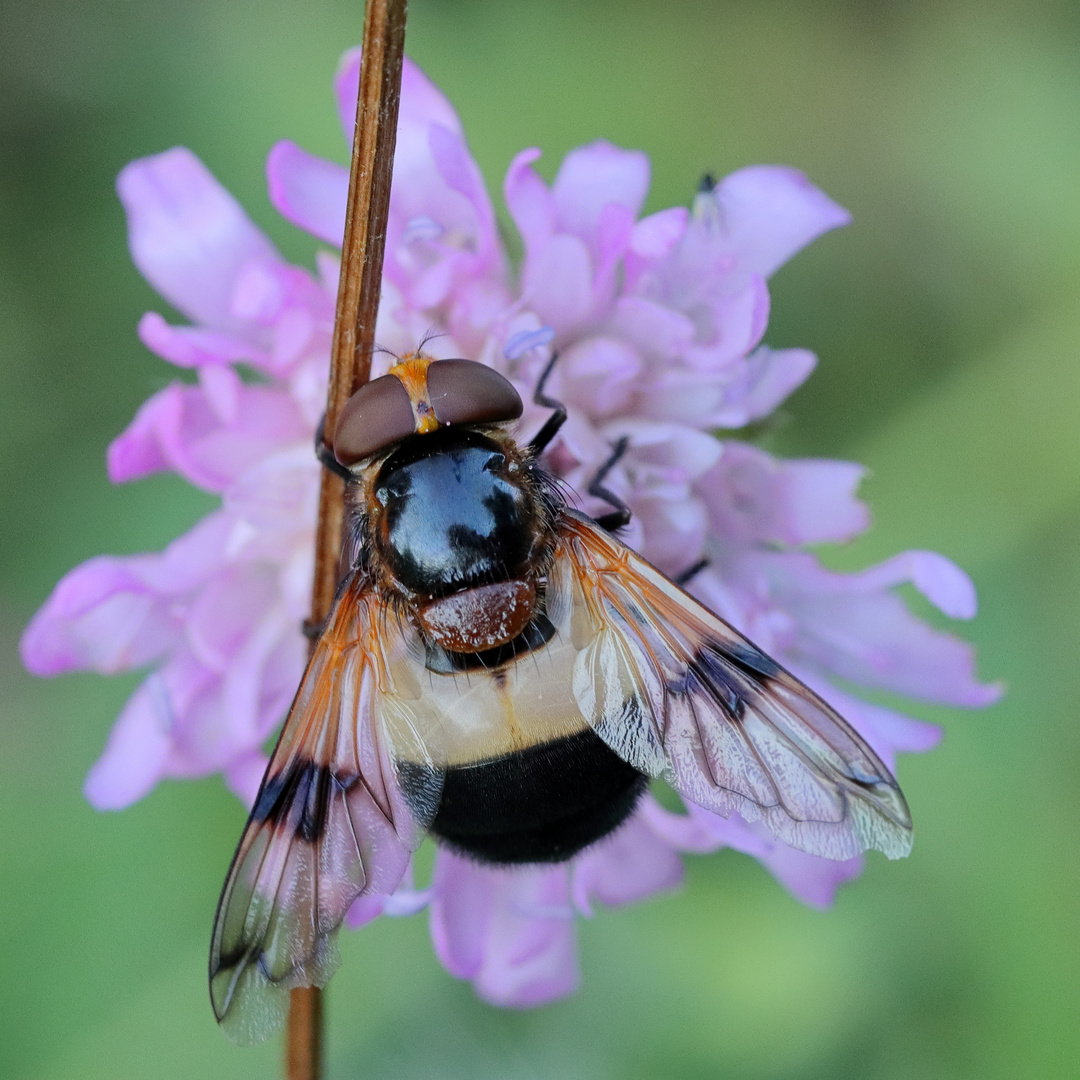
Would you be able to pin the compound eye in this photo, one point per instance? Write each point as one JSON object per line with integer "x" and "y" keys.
{"x": 465, "y": 392}
{"x": 378, "y": 415}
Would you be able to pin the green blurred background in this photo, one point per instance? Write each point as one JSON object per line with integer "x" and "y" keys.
{"x": 947, "y": 320}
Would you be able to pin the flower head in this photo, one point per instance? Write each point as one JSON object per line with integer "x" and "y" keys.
{"x": 658, "y": 322}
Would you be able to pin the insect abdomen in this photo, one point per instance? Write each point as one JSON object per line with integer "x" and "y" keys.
{"x": 541, "y": 804}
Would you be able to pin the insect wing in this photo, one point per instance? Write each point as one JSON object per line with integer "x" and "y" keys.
{"x": 678, "y": 693}
{"x": 330, "y": 824}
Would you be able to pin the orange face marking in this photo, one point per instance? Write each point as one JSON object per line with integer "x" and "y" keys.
{"x": 412, "y": 371}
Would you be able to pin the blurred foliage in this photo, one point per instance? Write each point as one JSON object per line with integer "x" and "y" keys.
{"x": 947, "y": 321}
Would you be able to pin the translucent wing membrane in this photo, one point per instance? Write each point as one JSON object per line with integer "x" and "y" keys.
{"x": 678, "y": 693}
{"x": 331, "y": 823}
{"x": 380, "y": 718}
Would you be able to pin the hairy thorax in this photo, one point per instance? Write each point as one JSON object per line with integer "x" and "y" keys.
{"x": 458, "y": 523}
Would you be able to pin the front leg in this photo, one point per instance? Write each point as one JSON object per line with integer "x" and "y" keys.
{"x": 325, "y": 453}
{"x": 555, "y": 420}
{"x": 619, "y": 516}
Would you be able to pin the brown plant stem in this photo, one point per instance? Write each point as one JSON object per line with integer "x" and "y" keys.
{"x": 362, "y": 252}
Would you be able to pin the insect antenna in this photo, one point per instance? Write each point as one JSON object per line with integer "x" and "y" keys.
{"x": 431, "y": 334}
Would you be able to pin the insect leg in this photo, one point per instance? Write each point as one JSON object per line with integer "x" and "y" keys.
{"x": 555, "y": 420}
{"x": 691, "y": 572}
{"x": 326, "y": 455}
{"x": 620, "y": 515}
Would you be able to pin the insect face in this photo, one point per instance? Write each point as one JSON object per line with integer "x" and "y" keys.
{"x": 416, "y": 397}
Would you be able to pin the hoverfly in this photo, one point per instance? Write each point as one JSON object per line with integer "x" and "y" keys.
{"x": 501, "y": 672}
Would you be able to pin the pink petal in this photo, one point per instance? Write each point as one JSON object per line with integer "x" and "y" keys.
{"x": 598, "y": 374}
{"x": 277, "y": 502}
{"x": 939, "y": 579}
{"x": 593, "y": 177}
{"x": 738, "y": 323}
{"x": 207, "y": 735}
{"x": 656, "y": 235}
{"x": 461, "y": 913}
{"x": 656, "y": 330}
{"x": 679, "y": 453}
{"x": 113, "y": 614}
{"x": 245, "y": 775}
{"x": 680, "y": 396}
{"x": 222, "y": 386}
{"x": 631, "y": 865}
{"x": 613, "y": 232}
{"x": 422, "y": 103}
{"x": 672, "y": 528}
{"x": 308, "y": 191}
{"x": 188, "y": 236}
{"x": 819, "y": 503}
{"x": 770, "y": 212}
{"x": 530, "y": 203}
{"x": 889, "y": 733}
{"x": 191, "y": 346}
{"x": 442, "y": 240}
{"x": 769, "y": 376}
{"x": 809, "y": 878}
{"x": 754, "y": 498}
{"x": 461, "y": 173}
{"x": 227, "y": 611}
{"x": 866, "y": 634}
{"x": 364, "y": 909}
{"x": 179, "y": 429}
{"x": 510, "y": 931}
{"x": 262, "y": 675}
{"x": 652, "y": 240}
{"x": 101, "y": 616}
{"x": 137, "y": 750}
{"x": 558, "y": 283}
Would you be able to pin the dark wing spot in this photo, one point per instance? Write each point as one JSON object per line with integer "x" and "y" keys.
{"x": 707, "y": 673}
{"x": 753, "y": 661}
{"x": 297, "y": 798}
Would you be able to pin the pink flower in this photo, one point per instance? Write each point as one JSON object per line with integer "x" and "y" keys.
{"x": 659, "y": 324}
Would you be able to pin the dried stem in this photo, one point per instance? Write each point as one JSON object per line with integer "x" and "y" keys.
{"x": 350, "y": 364}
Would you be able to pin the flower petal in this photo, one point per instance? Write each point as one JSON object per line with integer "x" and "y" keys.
{"x": 754, "y": 498}
{"x": 768, "y": 376}
{"x": 101, "y": 616}
{"x": 769, "y": 212}
{"x": 308, "y": 191}
{"x": 630, "y": 865}
{"x": 854, "y": 627}
{"x": 136, "y": 753}
{"x": 657, "y": 331}
{"x": 245, "y": 775}
{"x": 939, "y": 579}
{"x": 422, "y": 102}
{"x": 530, "y": 203}
{"x": 558, "y": 283}
{"x": 191, "y": 346}
{"x": 511, "y": 931}
{"x": 179, "y": 429}
{"x": 462, "y": 174}
{"x": 593, "y": 177}
{"x": 188, "y": 236}
{"x": 809, "y": 878}
{"x": 114, "y": 614}
{"x": 656, "y": 235}
{"x": 598, "y": 374}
